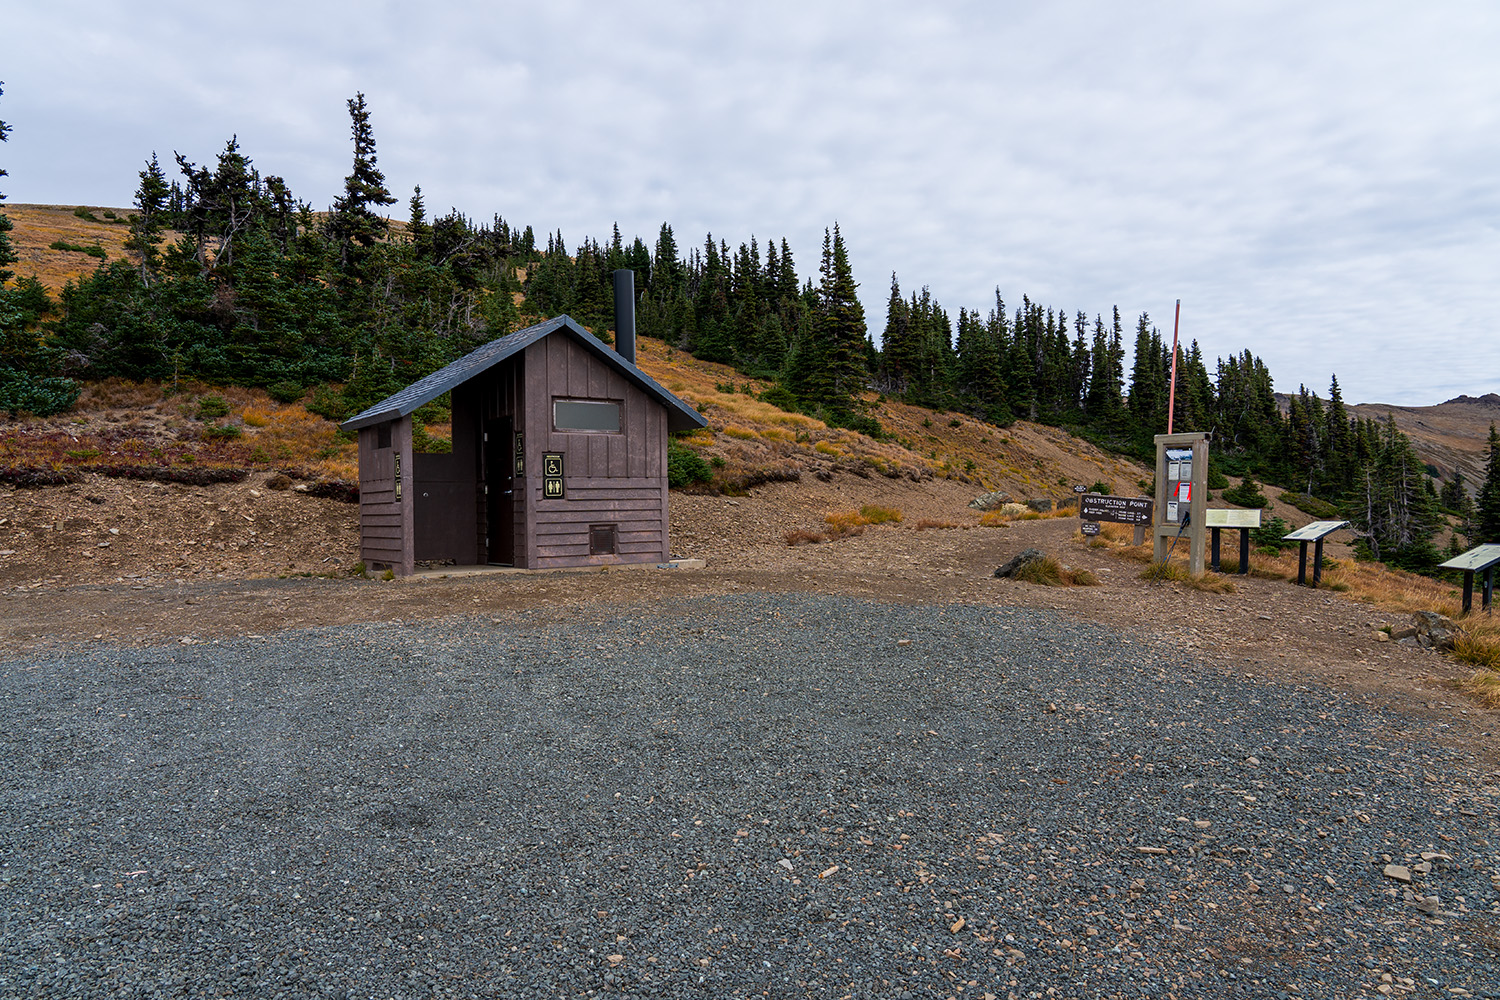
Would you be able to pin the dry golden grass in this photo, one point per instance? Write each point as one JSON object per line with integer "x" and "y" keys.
{"x": 118, "y": 423}
{"x": 1483, "y": 687}
{"x": 1048, "y": 572}
{"x": 802, "y": 536}
{"x": 749, "y": 436}
{"x": 1479, "y": 643}
{"x": 37, "y": 227}
{"x": 928, "y": 522}
{"x": 1170, "y": 572}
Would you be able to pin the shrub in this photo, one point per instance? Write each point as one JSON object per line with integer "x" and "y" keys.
{"x": 212, "y": 407}
{"x": 1100, "y": 487}
{"x": 1269, "y": 536}
{"x": 1048, "y": 572}
{"x": 23, "y": 393}
{"x": 285, "y": 391}
{"x": 1320, "y": 509}
{"x": 874, "y": 514}
{"x": 926, "y": 523}
{"x": 1246, "y": 494}
{"x": 685, "y": 466}
{"x": 780, "y": 397}
{"x": 803, "y": 537}
{"x": 93, "y": 249}
{"x": 423, "y": 442}
{"x": 1216, "y": 480}
{"x": 83, "y": 212}
{"x": 222, "y": 432}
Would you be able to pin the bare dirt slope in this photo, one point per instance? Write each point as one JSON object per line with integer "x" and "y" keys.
{"x": 1451, "y": 436}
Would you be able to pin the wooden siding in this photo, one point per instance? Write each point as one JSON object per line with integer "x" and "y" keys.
{"x": 610, "y": 478}
{"x": 386, "y": 523}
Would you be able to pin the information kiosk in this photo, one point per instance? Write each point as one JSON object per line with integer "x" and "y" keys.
{"x": 1181, "y": 495}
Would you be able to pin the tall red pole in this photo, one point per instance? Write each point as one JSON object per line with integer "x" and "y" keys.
{"x": 1172, "y": 392}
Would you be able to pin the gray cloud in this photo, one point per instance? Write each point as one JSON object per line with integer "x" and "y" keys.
{"x": 1315, "y": 182}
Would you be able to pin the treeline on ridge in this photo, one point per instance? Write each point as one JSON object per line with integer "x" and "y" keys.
{"x": 233, "y": 280}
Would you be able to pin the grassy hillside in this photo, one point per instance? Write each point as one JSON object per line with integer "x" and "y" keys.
{"x": 38, "y": 227}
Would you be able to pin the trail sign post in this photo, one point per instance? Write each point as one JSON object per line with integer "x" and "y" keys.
{"x": 1218, "y": 520}
{"x": 1480, "y": 559}
{"x": 1315, "y": 533}
{"x": 1096, "y": 507}
{"x": 1181, "y": 495}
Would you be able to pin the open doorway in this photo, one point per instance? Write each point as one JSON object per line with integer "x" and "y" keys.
{"x": 499, "y": 490}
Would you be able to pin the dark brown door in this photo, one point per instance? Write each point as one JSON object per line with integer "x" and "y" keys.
{"x": 499, "y": 482}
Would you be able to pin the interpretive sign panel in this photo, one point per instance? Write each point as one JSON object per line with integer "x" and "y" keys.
{"x": 1232, "y": 519}
{"x": 1476, "y": 559}
{"x": 1120, "y": 510}
{"x": 1315, "y": 531}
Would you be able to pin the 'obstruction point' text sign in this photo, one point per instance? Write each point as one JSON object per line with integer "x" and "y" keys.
{"x": 1120, "y": 510}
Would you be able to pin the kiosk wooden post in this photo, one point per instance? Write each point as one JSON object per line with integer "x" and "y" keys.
{"x": 1181, "y": 495}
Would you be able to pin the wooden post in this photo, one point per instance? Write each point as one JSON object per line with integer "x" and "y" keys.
{"x": 1302, "y": 566}
{"x": 1468, "y": 590}
{"x": 1489, "y": 588}
{"x": 1317, "y": 562}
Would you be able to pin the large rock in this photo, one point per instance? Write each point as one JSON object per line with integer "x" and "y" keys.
{"x": 1435, "y": 631}
{"x": 1026, "y": 556}
{"x": 1042, "y": 505}
{"x": 990, "y": 501}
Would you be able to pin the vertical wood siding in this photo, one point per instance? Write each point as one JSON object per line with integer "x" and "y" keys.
{"x": 610, "y": 478}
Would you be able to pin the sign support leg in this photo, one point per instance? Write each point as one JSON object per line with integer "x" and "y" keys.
{"x": 1468, "y": 590}
{"x": 1317, "y": 562}
{"x": 1244, "y": 552}
{"x": 1489, "y": 588}
{"x": 1213, "y": 546}
{"x": 1302, "y": 566}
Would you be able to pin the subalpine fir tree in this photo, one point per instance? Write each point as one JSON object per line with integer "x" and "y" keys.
{"x": 7, "y": 252}
{"x": 1487, "y": 503}
{"x": 353, "y": 226}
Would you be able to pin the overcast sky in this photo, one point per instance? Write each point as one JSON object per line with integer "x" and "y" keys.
{"x": 1318, "y": 182}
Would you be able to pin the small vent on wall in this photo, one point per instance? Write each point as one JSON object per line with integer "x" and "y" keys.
{"x": 601, "y": 539}
{"x": 382, "y": 435}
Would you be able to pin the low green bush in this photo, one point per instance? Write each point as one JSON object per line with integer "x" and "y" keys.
{"x": 685, "y": 466}
{"x": 212, "y": 407}
{"x": 1320, "y": 509}
{"x": 285, "y": 391}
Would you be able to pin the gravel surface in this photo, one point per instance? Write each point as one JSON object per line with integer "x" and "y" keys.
{"x": 721, "y": 797}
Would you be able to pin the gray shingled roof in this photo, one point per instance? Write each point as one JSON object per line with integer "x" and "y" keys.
{"x": 680, "y": 416}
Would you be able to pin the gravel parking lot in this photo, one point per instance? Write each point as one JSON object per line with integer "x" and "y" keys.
{"x": 782, "y": 795}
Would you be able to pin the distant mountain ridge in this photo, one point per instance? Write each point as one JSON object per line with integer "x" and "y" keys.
{"x": 1451, "y": 436}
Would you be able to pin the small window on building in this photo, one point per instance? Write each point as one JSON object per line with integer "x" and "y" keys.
{"x": 601, "y": 539}
{"x": 585, "y": 415}
{"x": 382, "y": 435}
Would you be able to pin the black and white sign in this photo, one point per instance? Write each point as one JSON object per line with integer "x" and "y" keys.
{"x": 1120, "y": 510}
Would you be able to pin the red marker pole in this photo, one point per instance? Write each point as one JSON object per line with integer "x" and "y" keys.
{"x": 1172, "y": 391}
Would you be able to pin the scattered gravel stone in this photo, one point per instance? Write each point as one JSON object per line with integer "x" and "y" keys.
{"x": 638, "y": 804}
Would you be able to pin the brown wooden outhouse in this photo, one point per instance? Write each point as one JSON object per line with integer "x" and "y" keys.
{"x": 559, "y": 459}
